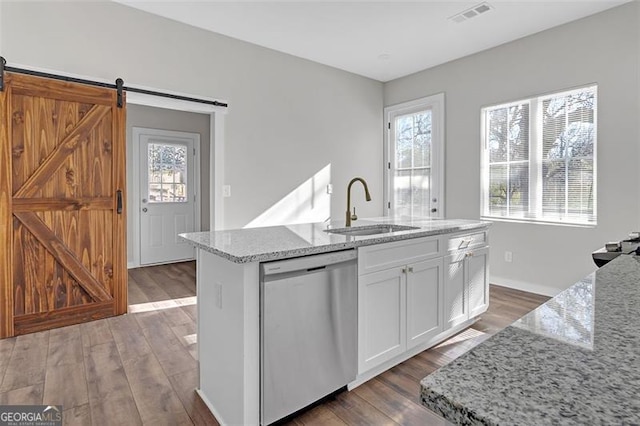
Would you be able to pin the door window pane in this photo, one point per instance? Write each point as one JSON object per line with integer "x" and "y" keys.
{"x": 167, "y": 173}
{"x": 412, "y": 172}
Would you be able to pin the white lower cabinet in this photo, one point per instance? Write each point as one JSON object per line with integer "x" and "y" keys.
{"x": 399, "y": 307}
{"x": 381, "y": 311}
{"x": 478, "y": 281}
{"x": 466, "y": 285}
{"x": 407, "y": 304}
{"x": 424, "y": 301}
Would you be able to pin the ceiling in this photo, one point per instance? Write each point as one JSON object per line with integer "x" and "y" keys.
{"x": 380, "y": 40}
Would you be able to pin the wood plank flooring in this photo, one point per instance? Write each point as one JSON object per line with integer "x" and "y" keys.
{"x": 142, "y": 368}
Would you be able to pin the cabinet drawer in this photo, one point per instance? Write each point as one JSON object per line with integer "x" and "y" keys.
{"x": 465, "y": 241}
{"x": 383, "y": 256}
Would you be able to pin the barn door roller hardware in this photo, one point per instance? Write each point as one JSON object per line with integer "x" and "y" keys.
{"x": 3, "y": 62}
{"x": 119, "y": 86}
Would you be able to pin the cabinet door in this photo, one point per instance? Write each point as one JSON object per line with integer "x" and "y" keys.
{"x": 478, "y": 279}
{"x": 456, "y": 304}
{"x": 381, "y": 317}
{"x": 424, "y": 301}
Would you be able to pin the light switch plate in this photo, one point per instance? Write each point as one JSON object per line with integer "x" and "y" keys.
{"x": 226, "y": 191}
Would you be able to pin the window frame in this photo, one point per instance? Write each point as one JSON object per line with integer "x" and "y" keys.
{"x": 536, "y": 161}
{"x": 436, "y": 103}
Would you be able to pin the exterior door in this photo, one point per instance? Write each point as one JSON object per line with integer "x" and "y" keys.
{"x": 62, "y": 213}
{"x": 168, "y": 194}
{"x": 414, "y": 152}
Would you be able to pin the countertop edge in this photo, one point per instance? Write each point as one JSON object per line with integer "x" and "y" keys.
{"x": 441, "y": 393}
{"x": 286, "y": 254}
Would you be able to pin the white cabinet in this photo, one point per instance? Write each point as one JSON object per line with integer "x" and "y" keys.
{"x": 381, "y": 311}
{"x": 399, "y": 307}
{"x": 466, "y": 285}
{"x": 415, "y": 293}
{"x": 424, "y": 301}
{"x": 478, "y": 281}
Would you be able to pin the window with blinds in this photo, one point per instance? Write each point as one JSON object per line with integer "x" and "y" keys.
{"x": 539, "y": 160}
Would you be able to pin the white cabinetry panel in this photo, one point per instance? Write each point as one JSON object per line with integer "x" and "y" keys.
{"x": 384, "y": 256}
{"x": 456, "y": 309}
{"x": 382, "y": 329}
{"x": 424, "y": 301}
{"x": 478, "y": 271}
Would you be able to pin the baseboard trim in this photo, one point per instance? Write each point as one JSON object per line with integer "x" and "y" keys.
{"x": 525, "y": 286}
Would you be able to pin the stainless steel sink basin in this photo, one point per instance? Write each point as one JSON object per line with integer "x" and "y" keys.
{"x": 370, "y": 229}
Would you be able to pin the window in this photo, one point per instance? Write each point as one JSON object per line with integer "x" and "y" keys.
{"x": 414, "y": 168}
{"x": 539, "y": 161}
{"x": 167, "y": 173}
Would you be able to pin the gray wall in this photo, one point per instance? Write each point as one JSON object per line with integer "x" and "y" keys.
{"x": 288, "y": 117}
{"x": 604, "y": 49}
{"x": 165, "y": 119}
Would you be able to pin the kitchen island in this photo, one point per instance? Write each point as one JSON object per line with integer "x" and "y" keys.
{"x": 405, "y": 301}
{"x": 573, "y": 361}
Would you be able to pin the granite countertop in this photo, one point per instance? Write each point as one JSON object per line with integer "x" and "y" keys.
{"x": 573, "y": 361}
{"x": 281, "y": 242}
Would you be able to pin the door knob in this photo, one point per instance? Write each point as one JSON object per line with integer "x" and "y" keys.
{"x": 144, "y": 210}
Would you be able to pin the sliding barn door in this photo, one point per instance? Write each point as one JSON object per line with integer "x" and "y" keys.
{"x": 62, "y": 218}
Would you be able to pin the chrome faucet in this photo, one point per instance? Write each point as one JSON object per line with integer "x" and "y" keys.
{"x": 366, "y": 194}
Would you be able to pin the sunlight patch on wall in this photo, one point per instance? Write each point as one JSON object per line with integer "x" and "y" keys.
{"x": 309, "y": 202}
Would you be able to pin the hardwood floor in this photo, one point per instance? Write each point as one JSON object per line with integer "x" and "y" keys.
{"x": 142, "y": 368}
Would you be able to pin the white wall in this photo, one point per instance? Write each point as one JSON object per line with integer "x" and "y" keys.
{"x": 603, "y": 48}
{"x": 288, "y": 117}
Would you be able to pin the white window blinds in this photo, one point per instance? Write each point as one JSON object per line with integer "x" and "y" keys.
{"x": 539, "y": 159}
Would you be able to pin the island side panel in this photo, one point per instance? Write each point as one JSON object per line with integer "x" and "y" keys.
{"x": 228, "y": 338}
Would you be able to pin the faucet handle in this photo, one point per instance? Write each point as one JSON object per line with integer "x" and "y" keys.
{"x": 354, "y": 216}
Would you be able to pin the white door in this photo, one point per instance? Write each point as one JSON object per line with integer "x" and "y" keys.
{"x": 414, "y": 147}
{"x": 168, "y": 191}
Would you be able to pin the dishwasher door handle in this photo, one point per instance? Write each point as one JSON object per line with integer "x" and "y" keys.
{"x": 317, "y": 268}
{"x": 307, "y": 263}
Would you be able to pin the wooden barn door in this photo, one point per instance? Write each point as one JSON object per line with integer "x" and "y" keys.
{"x": 62, "y": 218}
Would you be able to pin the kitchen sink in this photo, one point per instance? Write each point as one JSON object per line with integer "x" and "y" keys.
{"x": 370, "y": 229}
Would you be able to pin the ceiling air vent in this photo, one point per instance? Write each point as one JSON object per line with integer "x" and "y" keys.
{"x": 476, "y": 10}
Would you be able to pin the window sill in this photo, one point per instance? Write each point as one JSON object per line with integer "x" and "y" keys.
{"x": 539, "y": 222}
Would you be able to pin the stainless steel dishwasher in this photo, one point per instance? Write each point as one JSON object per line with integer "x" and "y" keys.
{"x": 308, "y": 334}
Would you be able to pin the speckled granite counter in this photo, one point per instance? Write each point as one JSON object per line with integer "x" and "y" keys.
{"x": 281, "y": 242}
{"x": 573, "y": 361}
